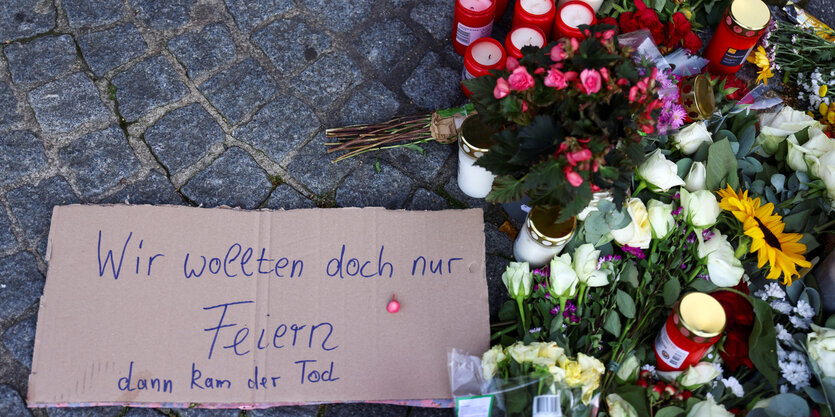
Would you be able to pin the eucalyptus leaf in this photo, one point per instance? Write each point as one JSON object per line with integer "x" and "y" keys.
{"x": 757, "y": 186}
{"x": 788, "y": 405}
{"x": 683, "y": 166}
{"x": 612, "y": 323}
{"x": 703, "y": 285}
{"x": 625, "y": 304}
{"x": 778, "y": 181}
{"x": 672, "y": 291}
{"x": 794, "y": 291}
{"x": 815, "y": 395}
{"x": 605, "y": 206}
{"x": 762, "y": 343}
{"x": 670, "y": 411}
{"x": 636, "y": 396}
{"x": 746, "y": 140}
{"x": 814, "y": 299}
{"x": 830, "y": 322}
{"x": 721, "y": 166}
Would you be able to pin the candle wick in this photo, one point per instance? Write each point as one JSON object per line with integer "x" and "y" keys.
{"x": 489, "y": 56}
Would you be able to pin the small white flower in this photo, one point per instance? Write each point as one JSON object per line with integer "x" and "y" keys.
{"x": 799, "y": 322}
{"x": 781, "y": 353}
{"x": 796, "y": 373}
{"x": 774, "y": 290}
{"x": 782, "y": 333}
{"x": 781, "y": 306}
{"x": 732, "y": 384}
{"x": 804, "y": 309}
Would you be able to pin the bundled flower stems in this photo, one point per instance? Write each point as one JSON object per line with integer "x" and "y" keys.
{"x": 441, "y": 125}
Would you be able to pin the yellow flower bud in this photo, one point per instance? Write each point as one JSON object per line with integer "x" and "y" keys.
{"x": 831, "y": 118}
{"x": 687, "y": 13}
{"x": 822, "y": 91}
{"x": 810, "y": 114}
{"x": 823, "y": 109}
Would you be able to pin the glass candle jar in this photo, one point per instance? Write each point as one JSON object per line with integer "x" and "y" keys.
{"x": 482, "y": 56}
{"x": 542, "y": 237}
{"x": 521, "y": 36}
{"x": 539, "y": 13}
{"x": 595, "y": 4}
{"x": 741, "y": 27}
{"x": 696, "y": 97}
{"x": 693, "y": 326}
{"x": 474, "y": 140}
{"x": 472, "y": 20}
{"x": 570, "y": 16}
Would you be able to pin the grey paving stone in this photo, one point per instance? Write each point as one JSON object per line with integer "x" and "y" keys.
{"x": 154, "y": 189}
{"x": 823, "y": 10}
{"x": 41, "y": 59}
{"x": 163, "y": 14}
{"x": 234, "y": 179}
{"x": 312, "y": 166}
{"x": 25, "y": 18}
{"x": 65, "y": 104}
{"x": 497, "y": 242}
{"x": 432, "y": 412}
{"x": 7, "y": 239}
{"x": 8, "y": 103}
{"x": 85, "y": 412}
{"x": 327, "y": 78}
{"x": 366, "y": 187}
{"x": 427, "y": 200}
{"x": 239, "y": 90}
{"x": 287, "y": 41}
{"x": 432, "y": 85}
{"x": 107, "y": 49}
{"x": 362, "y": 410}
{"x": 249, "y": 13}
{"x": 205, "y": 50}
{"x": 293, "y": 411}
{"x": 148, "y": 84}
{"x": 496, "y": 290}
{"x": 385, "y": 43}
{"x": 100, "y": 160}
{"x": 340, "y": 16}
{"x": 202, "y": 412}
{"x": 32, "y": 205}
{"x": 21, "y": 153}
{"x": 20, "y": 285}
{"x": 452, "y": 188}
{"x": 285, "y": 197}
{"x": 372, "y": 103}
{"x": 183, "y": 136}
{"x": 279, "y": 127}
{"x": 92, "y": 12}
{"x": 435, "y": 16}
{"x": 426, "y": 165}
{"x": 20, "y": 340}
{"x": 142, "y": 412}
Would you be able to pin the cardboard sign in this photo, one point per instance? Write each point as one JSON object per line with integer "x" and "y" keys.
{"x": 175, "y": 305}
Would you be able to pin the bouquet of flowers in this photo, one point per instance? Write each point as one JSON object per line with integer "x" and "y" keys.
{"x": 673, "y": 32}
{"x": 570, "y": 118}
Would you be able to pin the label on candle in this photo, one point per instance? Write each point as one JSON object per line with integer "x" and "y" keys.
{"x": 734, "y": 57}
{"x": 467, "y": 35}
{"x": 465, "y": 75}
{"x": 668, "y": 352}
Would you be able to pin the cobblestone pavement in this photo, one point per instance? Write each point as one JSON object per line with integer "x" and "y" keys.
{"x": 213, "y": 102}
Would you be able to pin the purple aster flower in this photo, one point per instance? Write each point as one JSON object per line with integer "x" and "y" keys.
{"x": 636, "y": 252}
{"x": 677, "y": 211}
{"x": 707, "y": 235}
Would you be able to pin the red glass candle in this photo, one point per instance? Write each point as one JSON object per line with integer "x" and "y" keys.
{"x": 741, "y": 27}
{"x": 501, "y": 6}
{"x": 694, "y": 325}
{"x": 539, "y": 13}
{"x": 473, "y": 19}
{"x": 482, "y": 56}
{"x": 571, "y": 15}
{"x": 521, "y": 36}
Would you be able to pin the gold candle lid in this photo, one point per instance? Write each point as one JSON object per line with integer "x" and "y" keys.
{"x": 543, "y": 226}
{"x": 702, "y": 315}
{"x": 751, "y": 15}
{"x": 474, "y": 137}
{"x": 697, "y": 97}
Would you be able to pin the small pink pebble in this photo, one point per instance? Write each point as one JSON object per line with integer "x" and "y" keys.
{"x": 393, "y": 305}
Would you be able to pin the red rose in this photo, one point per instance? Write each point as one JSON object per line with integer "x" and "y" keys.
{"x": 673, "y": 37}
{"x": 627, "y": 22}
{"x": 680, "y": 24}
{"x": 692, "y": 42}
{"x": 609, "y": 20}
{"x": 648, "y": 19}
{"x": 735, "y": 349}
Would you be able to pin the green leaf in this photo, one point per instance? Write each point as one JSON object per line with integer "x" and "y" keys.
{"x": 703, "y": 285}
{"x": 788, "y": 405}
{"x": 636, "y": 396}
{"x": 506, "y": 189}
{"x": 508, "y": 311}
{"x": 815, "y": 395}
{"x": 670, "y": 412}
{"x": 683, "y": 166}
{"x": 630, "y": 274}
{"x": 721, "y": 166}
{"x": 536, "y": 140}
{"x": 625, "y": 304}
{"x": 762, "y": 344}
{"x": 612, "y": 323}
{"x": 659, "y": 5}
{"x": 377, "y": 167}
{"x": 415, "y": 147}
{"x": 830, "y": 322}
{"x": 672, "y": 290}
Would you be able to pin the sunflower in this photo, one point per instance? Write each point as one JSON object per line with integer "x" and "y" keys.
{"x": 781, "y": 250}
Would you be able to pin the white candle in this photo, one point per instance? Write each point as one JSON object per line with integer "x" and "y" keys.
{"x": 523, "y": 36}
{"x": 476, "y": 5}
{"x": 525, "y": 249}
{"x": 575, "y": 15}
{"x": 595, "y": 4}
{"x": 536, "y": 7}
{"x": 486, "y": 53}
{"x": 473, "y": 180}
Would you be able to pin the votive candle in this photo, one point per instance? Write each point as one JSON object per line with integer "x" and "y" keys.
{"x": 539, "y": 13}
{"x": 472, "y": 20}
{"x": 570, "y": 16}
{"x": 595, "y": 4}
{"x": 483, "y": 55}
{"x": 522, "y": 36}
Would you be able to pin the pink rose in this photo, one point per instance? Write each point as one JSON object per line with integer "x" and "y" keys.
{"x": 512, "y": 63}
{"x": 502, "y": 89}
{"x": 590, "y": 79}
{"x": 557, "y": 54}
{"x": 520, "y": 80}
{"x": 556, "y": 79}
{"x": 573, "y": 178}
{"x": 539, "y": 71}
{"x": 605, "y": 74}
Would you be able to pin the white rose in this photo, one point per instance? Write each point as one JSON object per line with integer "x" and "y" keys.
{"x": 563, "y": 277}
{"x": 689, "y": 139}
{"x": 618, "y": 407}
{"x": 628, "y": 371}
{"x": 821, "y": 346}
{"x": 521, "y": 352}
{"x": 826, "y": 172}
{"x": 724, "y": 268}
{"x": 638, "y": 233}
{"x": 661, "y": 218}
{"x": 805, "y": 158}
{"x": 696, "y": 376}
{"x": 708, "y": 408}
{"x": 490, "y": 360}
{"x": 696, "y": 177}
{"x": 518, "y": 279}
{"x": 550, "y": 351}
{"x": 775, "y": 127}
{"x": 585, "y": 265}
{"x": 700, "y": 208}
{"x": 660, "y": 173}
{"x": 595, "y": 200}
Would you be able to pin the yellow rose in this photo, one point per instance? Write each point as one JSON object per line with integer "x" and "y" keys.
{"x": 523, "y": 353}
{"x": 489, "y": 361}
{"x": 550, "y": 350}
{"x": 573, "y": 373}
{"x": 591, "y": 370}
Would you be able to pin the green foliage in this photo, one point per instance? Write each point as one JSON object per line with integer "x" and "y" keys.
{"x": 762, "y": 344}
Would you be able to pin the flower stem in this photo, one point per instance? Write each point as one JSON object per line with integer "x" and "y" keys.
{"x": 522, "y": 315}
